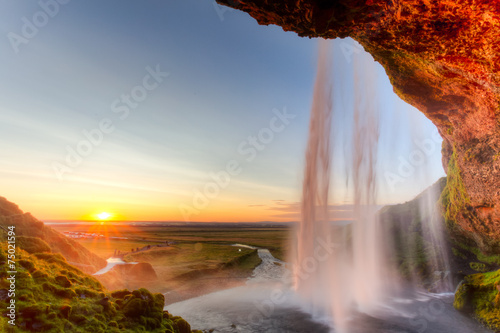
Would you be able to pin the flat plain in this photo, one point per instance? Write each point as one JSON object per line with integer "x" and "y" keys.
{"x": 189, "y": 259}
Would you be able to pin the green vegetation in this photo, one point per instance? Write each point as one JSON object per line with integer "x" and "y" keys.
{"x": 479, "y": 267}
{"x": 195, "y": 269}
{"x": 492, "y": 259}
{"x": 454, "y": 197}
{"x": 246, "y": 262}
{"x": 274, "y": 238}
{"x": 34, "y": 236}
{"x": 479, "y": 295}
{"x": 183, "y": 258}
{"x": 105, "y": 248}
{"x": 53, "y": 296}
{"x": 189, "y": 259}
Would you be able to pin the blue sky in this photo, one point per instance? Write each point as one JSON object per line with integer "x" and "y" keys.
{"x": 227, "y": 79}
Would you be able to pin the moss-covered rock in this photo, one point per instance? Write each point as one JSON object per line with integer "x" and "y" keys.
{"x": 65, "y": 311}
{"x": 63, "y": 281}
{"x": 462, "y": 300}
{"x": 479, "y": 295}
{"x": 479, "y": 267}
{"x": 120, "y": 294}
{"x": 182, "y": 325}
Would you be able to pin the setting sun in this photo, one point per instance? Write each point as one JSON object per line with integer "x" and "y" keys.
{"x": 104, "y": 216}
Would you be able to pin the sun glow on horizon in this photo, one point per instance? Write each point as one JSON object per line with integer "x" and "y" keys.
{"x": 103, "y": 216}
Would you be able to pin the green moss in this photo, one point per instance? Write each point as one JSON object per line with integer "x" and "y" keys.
{"x": 461, "y": 297}
{"x": 493, "y": 259}
{"x": 65, "y": 311}
{"x": 63, "y": 281}
{"x": 479, "y": 267}
{"x": 479, "y": 294}
{"x": 182, "y": 325}
{"x": 50, "y": 299}
{"x": 27, "y": 264}
{"x": 120, "y": 294}
{"x": 454, "y": 196}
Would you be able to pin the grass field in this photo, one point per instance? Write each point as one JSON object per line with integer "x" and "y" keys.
{"x": 105, "y": 248}
{"x": 274, "y": 238}
{"x": 180, "y": 260}
{"x": 189, "y": 260}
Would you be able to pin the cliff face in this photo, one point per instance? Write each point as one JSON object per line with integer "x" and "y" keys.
{"x": 443, "y": 57}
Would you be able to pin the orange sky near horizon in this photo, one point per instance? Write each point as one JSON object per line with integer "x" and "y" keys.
{"x": 86, "y": 207}
{"x": 192, "y": 106}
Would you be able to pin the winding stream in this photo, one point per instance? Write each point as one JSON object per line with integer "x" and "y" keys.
{"x": 112, "y": 262}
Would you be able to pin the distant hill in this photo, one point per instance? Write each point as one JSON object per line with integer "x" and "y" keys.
{"x": 28, "y": 226}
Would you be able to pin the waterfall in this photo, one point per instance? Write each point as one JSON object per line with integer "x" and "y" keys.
{"x": 344, "y": 268}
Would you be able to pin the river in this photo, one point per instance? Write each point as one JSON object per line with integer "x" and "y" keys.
{"x": 112, "y": 262}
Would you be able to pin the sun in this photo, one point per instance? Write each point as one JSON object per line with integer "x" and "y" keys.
{"x": 104, "y": 216}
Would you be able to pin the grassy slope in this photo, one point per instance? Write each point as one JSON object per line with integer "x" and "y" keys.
{"x": 27, "y": 225}
{"x": 183, "y": 258}
{"x": 53, "y": 296}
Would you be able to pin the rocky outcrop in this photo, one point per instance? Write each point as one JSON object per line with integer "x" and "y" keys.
{"x": 442, "y": 57}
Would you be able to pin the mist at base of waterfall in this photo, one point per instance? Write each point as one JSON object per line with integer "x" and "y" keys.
{"x": 274, "y": 308}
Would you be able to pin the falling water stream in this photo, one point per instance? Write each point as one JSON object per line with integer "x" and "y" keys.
{"x": 356, "y": 275}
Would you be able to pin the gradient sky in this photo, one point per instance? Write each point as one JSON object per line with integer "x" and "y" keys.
{"x": 66, "y": 73}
